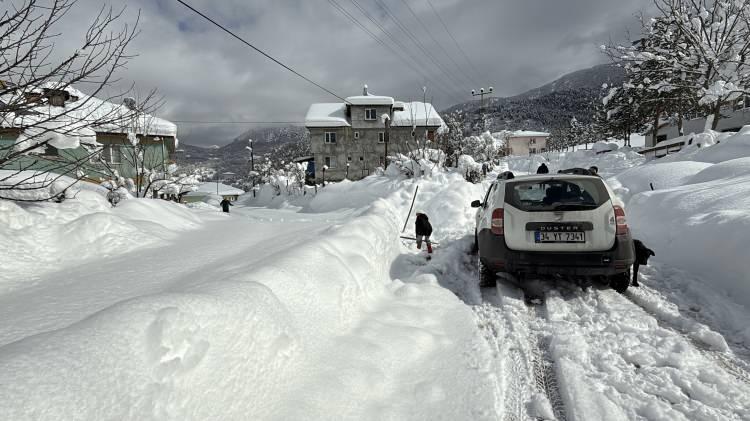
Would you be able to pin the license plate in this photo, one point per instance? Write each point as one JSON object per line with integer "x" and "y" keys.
{"x": 559, "y": 237}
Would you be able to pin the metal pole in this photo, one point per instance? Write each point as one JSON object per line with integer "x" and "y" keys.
{"x": 410, "y": 208}
{"x": 481, "y": 95}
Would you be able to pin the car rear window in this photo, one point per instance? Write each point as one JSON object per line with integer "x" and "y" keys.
{"x": 556, "y": 194}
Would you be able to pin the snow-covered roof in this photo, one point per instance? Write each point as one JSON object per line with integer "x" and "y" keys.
{"x": 211, "y": 187}
{"x": 83, "y": 109}
{"x": 370, "y": 100}
{"x": 528, "y": 133}
{"x": 416, "y": 114}
{"x": 326, "y": 115}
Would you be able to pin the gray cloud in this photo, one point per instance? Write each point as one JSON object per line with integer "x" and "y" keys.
{"x": 204, "y": 74}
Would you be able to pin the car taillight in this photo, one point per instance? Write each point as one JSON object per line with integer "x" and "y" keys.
{"x": 497, "y": 221}
{"x": 622, "y": 223}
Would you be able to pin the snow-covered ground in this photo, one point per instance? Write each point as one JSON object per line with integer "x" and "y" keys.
{"x": 313, "y": 307}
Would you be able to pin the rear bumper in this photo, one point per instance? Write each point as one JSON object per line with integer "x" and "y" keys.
{"x": 497, "y": 256}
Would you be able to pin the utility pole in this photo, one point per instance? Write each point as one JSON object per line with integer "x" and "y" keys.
{"x": 481, "y": 95}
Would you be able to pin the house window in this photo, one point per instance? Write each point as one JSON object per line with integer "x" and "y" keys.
{"x": 330, "y": 137}
{"x": 330, "y": 161}
{"x": 361, "y": 158}
{"x": 112, "y": 154}
{"x": 532, "y": 150}
{"x": 370, "y": 114}
{"x": 356, "y": 135}
{"x": 382, "y": 160}
{"x": 349, "y": 159}
{"x": 431, "y": 134}
{"x": 381, "y": 137}
{"x": 661, "y": 137}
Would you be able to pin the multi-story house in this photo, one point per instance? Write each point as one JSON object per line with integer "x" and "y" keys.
{"x": 349, "y": 138}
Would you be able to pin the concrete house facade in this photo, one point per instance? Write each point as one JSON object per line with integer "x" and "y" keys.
{"x": 349, "y": 137}
{"x": 524, "y": 142}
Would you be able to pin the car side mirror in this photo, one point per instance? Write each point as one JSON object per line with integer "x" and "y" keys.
{"x": 476, "y": 204}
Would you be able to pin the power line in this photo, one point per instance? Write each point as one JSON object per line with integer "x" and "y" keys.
{"x": 454, "y": 39}
{"x": 421, "y": 47}
{"x": 260, "y": 51}
{"x": 393, "y": 38}
{"x": 398, "y": 54}
{"x": 233, "y": 122}
{"x": 439, "y": 44}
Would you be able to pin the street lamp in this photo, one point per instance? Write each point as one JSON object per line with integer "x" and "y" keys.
{"x": 325, "y": 167}
{"x": 481, "y": 95}
{"x": 252, "y": 158}
{"x": 347, "y": 170}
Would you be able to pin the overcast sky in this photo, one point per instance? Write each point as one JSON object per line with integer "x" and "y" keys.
{"x": 203, "y": 74}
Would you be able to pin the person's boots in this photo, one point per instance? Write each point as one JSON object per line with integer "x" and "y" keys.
{"x": 635, "y": 276}
{"x": 429, "y": 248}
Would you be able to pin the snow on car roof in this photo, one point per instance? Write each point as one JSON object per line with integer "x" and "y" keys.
{"x": 416, "y": 114}
{"x": 327, "y": 115}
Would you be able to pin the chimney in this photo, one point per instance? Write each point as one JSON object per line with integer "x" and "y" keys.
{"x": 364, "y": 90}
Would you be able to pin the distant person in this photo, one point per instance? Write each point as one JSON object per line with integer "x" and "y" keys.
{"x": 225, "y": 204}
{"x": 594, "y": 170}
{"x": 423, "y": 230}
{"x": 642, "y": 254}
{"x": 542, "y": 169}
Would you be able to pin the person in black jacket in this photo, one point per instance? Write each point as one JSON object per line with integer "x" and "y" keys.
{"x": 423, "y": 230}
{"x": 542, "y": 169}
{"x": 225, "y": 204}
{"x": 642, "y": 254}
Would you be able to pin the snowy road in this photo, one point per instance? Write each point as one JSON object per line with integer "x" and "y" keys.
{"x": 326, "y": 314}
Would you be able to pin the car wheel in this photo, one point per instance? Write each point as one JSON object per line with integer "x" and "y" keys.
{"x": 487, "y": 277}
{"x": 620, "y": 282}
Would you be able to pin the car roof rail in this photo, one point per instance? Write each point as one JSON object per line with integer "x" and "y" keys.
{"x": 506, "y": 175}
{"x": 577, "y": 171}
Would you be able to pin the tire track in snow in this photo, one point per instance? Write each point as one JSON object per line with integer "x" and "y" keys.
{"x": 528, "y": 367}
{"x": 733, "y": 365}
{"x": 545, "y": 375}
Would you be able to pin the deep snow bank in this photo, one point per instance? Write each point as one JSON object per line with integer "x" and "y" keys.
{"x": 319, "y": 330}
{"x": 43, "y": 236}
{"x": 698, "y": 216}
{"x": 609, "y": 163}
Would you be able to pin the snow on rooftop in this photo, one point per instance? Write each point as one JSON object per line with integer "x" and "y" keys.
{"x": 88, "y": 109}
{"x": 370, "y": 100}
{"x": 416, "y": 114}
{"x": 211, "y": 188}
{"x": 326, "y": 115}
{"x": 528, "y": 133}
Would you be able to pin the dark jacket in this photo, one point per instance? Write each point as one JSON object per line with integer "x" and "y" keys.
{"x": 422, "y": 225}
{"x": 542, "y": 169}
{"x": 225, "y": 204}
{"x": 642, "y": 253}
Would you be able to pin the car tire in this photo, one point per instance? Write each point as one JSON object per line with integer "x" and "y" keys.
{"x": 487, "y": 277}
{"x": 620, "y": 282}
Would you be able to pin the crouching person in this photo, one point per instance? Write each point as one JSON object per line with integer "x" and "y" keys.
{"x": 423, "y": 230}
{"x": 642, "y": 254}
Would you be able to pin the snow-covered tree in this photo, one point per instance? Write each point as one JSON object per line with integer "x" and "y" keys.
{"x": 693, "y": 56}
{"x": 37, "y": 95}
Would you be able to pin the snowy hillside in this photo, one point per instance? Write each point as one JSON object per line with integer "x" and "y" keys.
{"x": 312, "y": 306}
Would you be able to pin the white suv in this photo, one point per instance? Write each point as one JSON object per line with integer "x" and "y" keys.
{"x": 553, "y": 224}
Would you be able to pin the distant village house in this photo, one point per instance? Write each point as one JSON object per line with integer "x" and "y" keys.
{"x": 348, "y": 138}
{"x": 524, "y": 142}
